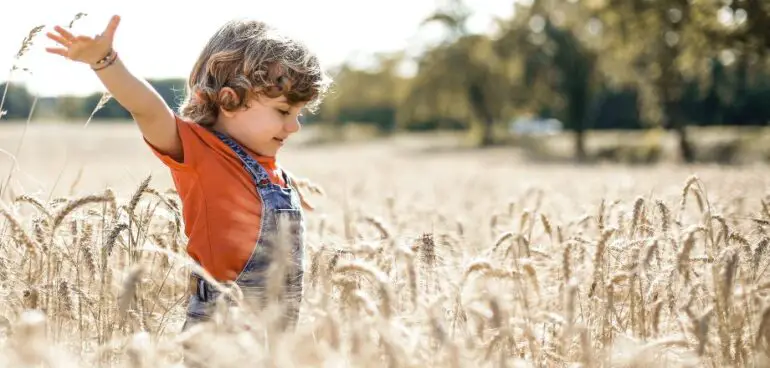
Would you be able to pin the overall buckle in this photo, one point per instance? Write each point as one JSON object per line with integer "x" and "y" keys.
{"x": 197, "y": 286}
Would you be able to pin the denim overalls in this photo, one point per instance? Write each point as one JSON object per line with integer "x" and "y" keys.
{"x": 280, "y": 207}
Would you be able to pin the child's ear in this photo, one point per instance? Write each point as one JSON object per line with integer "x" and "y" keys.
{"x": 228, "y": 100}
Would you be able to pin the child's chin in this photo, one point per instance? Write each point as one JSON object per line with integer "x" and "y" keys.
{"x": 270, "y": 152}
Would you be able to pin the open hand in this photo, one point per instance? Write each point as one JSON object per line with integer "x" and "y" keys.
{"x": 84, "y": 49}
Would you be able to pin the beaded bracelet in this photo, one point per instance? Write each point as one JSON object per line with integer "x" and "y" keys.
{"x": 106, "y": 61}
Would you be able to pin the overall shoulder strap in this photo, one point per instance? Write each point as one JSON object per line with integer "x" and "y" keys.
{"x": 297, "y": 185}
{"x": 257, "y": 172}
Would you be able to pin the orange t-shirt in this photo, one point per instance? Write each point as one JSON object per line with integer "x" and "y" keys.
{"x": 220, "y": 205}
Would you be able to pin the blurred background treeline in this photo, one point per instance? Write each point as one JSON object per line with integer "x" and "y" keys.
{"x": 693, "y": 72}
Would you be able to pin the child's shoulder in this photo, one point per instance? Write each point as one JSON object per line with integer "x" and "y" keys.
{"x": 188, "y": 124}
{"x": 190, "y": 132}
{"x": 195, "y": 140}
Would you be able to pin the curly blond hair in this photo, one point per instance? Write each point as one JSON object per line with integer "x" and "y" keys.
{"x": 252, "y": 58}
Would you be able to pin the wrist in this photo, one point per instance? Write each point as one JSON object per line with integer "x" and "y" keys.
{"x": 106, "y": 61}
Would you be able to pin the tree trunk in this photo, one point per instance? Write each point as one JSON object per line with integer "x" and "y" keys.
{"x": 479, "y": 106}
{"x": 671, "y": 83}
{"x": 578, "y": 95}
{"x": 580, "y": 148}
{"x": 487, "y": 136}
{"x": 576, "y": 115}
{"x": 686, "y": 151}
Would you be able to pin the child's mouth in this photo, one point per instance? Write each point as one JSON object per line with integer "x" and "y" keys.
{"x": 278, "y": 139}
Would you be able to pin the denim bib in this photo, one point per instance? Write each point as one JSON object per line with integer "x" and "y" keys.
{"x": 281, "y": 234}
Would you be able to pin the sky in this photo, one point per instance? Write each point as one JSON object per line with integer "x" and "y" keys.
{"x": 162, "y": 38}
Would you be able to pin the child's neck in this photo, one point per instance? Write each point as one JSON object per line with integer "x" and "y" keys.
{"x": 218, "y": 126}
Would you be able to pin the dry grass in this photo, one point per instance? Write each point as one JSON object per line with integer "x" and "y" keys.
{"x": 450, "y": 260}
{"x": 413, "y": 262}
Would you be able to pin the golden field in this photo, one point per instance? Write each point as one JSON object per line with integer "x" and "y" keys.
{"x": 415, "y": 258}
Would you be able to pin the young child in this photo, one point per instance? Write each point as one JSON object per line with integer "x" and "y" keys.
{"x": 244, "y": 96}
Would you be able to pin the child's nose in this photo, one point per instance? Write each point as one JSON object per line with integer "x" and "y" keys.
{"x": 292, "y": 126}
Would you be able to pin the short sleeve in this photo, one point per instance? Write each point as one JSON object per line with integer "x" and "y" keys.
{"x": 190, "y": 147}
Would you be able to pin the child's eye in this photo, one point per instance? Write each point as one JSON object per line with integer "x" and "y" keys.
{"x": 283, "y": 112}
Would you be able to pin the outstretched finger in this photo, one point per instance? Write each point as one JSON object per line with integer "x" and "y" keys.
{"x": 109, "y": 32}
{"x": 64, "y": 32}
{"x": 57, "y": 51}
{"x": 61, "y": 40}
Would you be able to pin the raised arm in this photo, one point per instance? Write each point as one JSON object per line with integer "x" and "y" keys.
{"x": 155, "y": 118}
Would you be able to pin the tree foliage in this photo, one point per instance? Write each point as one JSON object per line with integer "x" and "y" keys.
{"x": 593, "y": 64}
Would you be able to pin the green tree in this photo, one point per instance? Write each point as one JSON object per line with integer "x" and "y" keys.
{"x": 738, "y": 88}
{"x": 460, "y": 79}
{"x": 558, "y": 67}
{"x": 70, "y": 107}
{"x": 659, "y": 47}
{"x": 18, "y": 101}
{"x": 366, "y": 96}
{"x": 171, "y": 90}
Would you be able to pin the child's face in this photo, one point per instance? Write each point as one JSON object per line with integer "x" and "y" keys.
{"x": 264, "y": 126}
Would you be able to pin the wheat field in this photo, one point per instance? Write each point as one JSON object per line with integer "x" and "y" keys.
{"x": 414, "y": 259}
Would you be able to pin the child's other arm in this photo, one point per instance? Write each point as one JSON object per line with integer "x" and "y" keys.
{"x": 154, "y": 117}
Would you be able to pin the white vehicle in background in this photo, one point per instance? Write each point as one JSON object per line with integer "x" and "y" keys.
{"x": 535, "y": 126}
